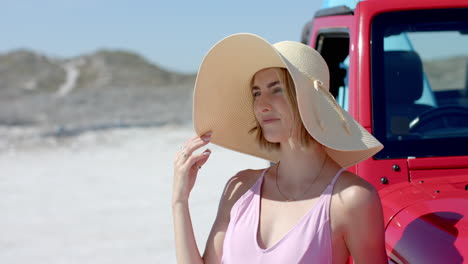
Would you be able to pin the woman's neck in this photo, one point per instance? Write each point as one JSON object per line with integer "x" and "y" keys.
{"x": 299, "y": 164}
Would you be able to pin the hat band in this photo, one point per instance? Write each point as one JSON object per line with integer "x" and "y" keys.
{"x": 318, "y": 85}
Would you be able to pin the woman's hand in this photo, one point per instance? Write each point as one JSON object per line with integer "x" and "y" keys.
{"x": 187, "y": 165}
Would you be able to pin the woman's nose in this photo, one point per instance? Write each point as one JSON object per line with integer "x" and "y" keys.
{"x": 262, "y": 104}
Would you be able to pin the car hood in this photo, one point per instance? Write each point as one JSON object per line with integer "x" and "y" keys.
{"x": 426, "y": 224}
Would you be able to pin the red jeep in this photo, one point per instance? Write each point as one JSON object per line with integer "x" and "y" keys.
{"x": 400, "y": 67}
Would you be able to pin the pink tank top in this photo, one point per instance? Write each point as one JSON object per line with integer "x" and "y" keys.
{"x": 309, "y": 241}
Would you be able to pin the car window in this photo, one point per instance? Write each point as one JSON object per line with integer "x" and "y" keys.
{"x": 334, "y": 48}
{"x": 419, "y": 82}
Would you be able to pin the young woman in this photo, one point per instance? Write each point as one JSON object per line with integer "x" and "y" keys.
{"x": 272, "y": 101}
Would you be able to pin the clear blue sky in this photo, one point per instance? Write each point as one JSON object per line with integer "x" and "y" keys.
{"x": 172, "y": 34}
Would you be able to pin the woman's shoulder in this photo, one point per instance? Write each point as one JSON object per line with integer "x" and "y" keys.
{"x": 235, "y": 187}
{"x": 240, "y": 183}
{"x": 355, "y": 193}
{"x": 357, "y": 211}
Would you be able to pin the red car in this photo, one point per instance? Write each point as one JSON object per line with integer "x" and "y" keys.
{"x": 400, "y": 67}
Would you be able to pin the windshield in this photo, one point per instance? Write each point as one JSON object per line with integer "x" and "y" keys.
{"x": 420, "y": 83}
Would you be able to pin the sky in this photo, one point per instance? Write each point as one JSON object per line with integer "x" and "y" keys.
{"x": 173, "y": 34}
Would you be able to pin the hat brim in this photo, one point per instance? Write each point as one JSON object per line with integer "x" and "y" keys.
{"x": 223, "y": 103}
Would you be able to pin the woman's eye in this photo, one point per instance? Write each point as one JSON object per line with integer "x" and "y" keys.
{"x": 278, "y": 90}
{"x": 255, "y": 94}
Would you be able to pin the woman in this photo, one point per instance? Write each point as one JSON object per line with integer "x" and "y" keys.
{"x": 272, "y": 101}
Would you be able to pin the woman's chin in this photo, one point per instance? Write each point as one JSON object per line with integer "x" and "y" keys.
{"x": 275, "y": 138}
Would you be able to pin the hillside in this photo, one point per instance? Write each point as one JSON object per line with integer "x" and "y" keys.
{"x": 447, "y": 73}
{"x": 100, "y": 90}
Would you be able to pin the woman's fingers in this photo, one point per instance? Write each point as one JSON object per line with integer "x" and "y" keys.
{"x": 194, "y": 144}
{"x": 198, "y": 160}
{"x": 202, "y": 162}
{"x": 186, "y": 166}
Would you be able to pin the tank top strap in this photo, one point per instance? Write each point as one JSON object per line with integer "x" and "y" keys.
{"x": 335, "y": 178}
{"x": 258, "y": 184}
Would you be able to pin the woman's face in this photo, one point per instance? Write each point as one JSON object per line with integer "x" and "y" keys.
{"x": 270, "y": 105}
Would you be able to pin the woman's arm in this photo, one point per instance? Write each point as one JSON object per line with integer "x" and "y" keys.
{"x": 214, "y": 244}
{"x": 186, "y": 166}
{"x": 364, "y": 229}
{"x": 186, "y": 246}
{"x": 185, "y": 173}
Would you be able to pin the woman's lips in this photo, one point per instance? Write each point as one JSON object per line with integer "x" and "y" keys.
{"x": 269, "y": 120}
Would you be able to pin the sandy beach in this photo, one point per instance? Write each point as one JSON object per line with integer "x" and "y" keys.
{"x": 103, "y": 196}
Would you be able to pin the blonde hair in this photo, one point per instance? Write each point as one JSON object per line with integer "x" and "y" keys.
{"x": 290, "y": 92}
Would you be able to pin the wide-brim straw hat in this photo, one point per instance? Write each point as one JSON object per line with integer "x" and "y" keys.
{"x": 223, "y": 101}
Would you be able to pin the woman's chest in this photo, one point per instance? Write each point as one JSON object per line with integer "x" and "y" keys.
{"x": 278, "y": 219}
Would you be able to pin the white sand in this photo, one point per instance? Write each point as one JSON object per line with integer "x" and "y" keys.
{"x": 104, "y": 197}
